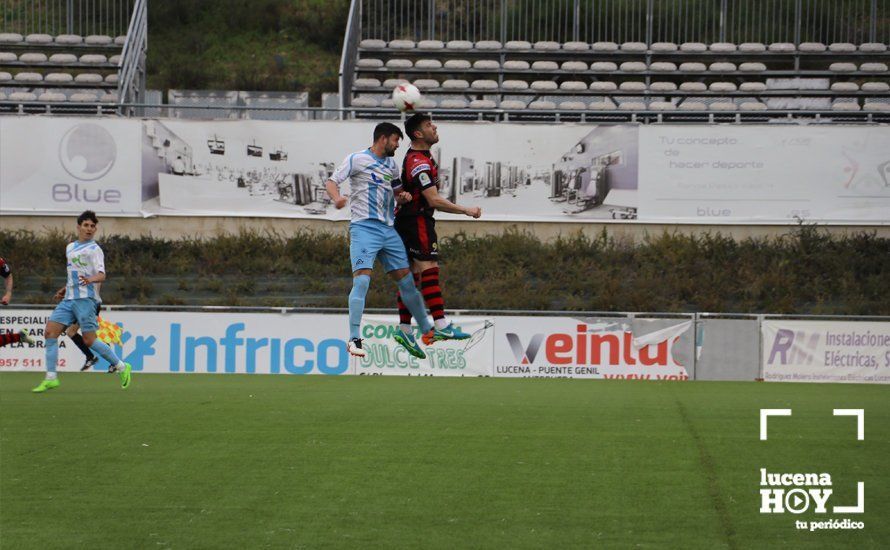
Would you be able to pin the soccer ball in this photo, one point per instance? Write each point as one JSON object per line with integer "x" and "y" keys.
{"x": 406, "y": 97}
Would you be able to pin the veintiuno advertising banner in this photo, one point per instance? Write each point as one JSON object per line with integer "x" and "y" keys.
{"x": 826, "y": 351}
{"x": 514, "y": 172}
{"x": 68, "y": 165}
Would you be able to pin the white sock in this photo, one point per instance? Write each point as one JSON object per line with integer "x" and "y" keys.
{"x": 121, "y": 365}
{"x": 405, "y": 328}
{"x": 50, "y": 376}
{"x": 442, "y": 323}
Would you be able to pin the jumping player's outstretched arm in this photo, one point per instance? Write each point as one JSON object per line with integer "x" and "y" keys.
{"x": 334, "y": 192}
{"x": 437, "y": 201}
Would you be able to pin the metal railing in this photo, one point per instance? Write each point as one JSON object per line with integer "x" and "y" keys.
{"x": 55, "y": 17}
{"x": 350, "y": 44}
{"x": 765, "y": 21}
{"x": 131, "y": 81}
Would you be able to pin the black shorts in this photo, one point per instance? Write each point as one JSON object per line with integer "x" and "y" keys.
{"x": 419, "y": 235}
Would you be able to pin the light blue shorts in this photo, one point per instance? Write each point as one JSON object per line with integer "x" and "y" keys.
{"x": 80, "y": 310}
{"x": 369, "y": 240}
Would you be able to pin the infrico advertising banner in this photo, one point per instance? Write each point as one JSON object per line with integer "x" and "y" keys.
{"x": 826, "y": 351}
{"x": 514, "y": 172}
{"x": 68, "y": 165}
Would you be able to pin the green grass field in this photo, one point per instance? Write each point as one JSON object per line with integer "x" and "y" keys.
{"x": 238, "y": 461}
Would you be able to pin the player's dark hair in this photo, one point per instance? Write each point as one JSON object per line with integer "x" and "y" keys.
{"x": 87, "y": 215}
{"x": 414, "y": 122}
{"x": 386, "y": 129}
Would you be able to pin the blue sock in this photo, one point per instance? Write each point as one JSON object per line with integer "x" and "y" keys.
{"x": 360, "y": 286}
{"x": 103, "y": 351}
{"x": 52, "y": 355}
{"x": 414, "y": 302}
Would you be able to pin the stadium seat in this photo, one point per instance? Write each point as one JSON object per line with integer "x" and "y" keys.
{"x": 431, "y": 45}
{"x": 115, "y": 59}
{"x": 604, "y": 47}
{"x": 723, "y": 47}
{"x": 545, "y": 46}
{"x": 752, "y": 87}
{"x": 693, "y": 87}
{"x": 573, "y": 86}
{"x": 59, "y": 78}
{"x": 427, "y": 103}
{"x": 722, "y": 67}
{"x": 69, "y": 39}
{"x": 633, "y": 66}
{"x": 574, "y": 66}
{"x": 752, "y": 106}
{"x": 459, "y": 64}
{"x": 486, "y": 64}
{"x": 873, "y": 67}
{"x": 518, "y": 45}
{"x": 873, "y": 47}
{"x": 542, "y": 105}
{"x": 482, "y": 104}
{"x": 663, "y": 87}
{"x": 489, "y": 45}
{"x": 52, "y": 96}
{"x": 693, "y": 47}
{"x": 28, "y": 77}
{"x": 516, "y": 65}
{"x": 722, "y": 87}
{"x": 603, "y": 86}
{"x": 453, "y": 103}
{"x": 633, "y": 47}
{"x": 843, "y": 67}
{"x": 576, "y": 46}
{"x": 545, "y": 66}
{"x": 544, "y": 86}
{"x": 98, "y": 40}
{"x": 63, "y": 58}
{"x": 120, "y": 40}
{"x": 459, "y": 45}
{"x": 663, "y": 67}
{"x": 752, "y": 47}
{"x": 455, "y": 84}
{"x": 369, "y": 63}
{"x": 387, "y": 103}
{"x": 842, "y": 47}
{"x": 93, "y": 59}
{"x": 22, "y": 96}
{"x": 6, "y": 57}
{"x": 604, "y": 105}
{"x": 844, "y": 87}
{"x": 33, "y": 58}
{"x": 632, "y": 106}
{"x": 372, "y": 44}
{"x": 93, "y": 78}
{"x": 2, "y": 96}
{"x": 84, "y": 97}
{"x": 875, "y": 87}
{"x": 10, "y": 38}
{"x": 514, "y": 85}
{"x": 845, "y": 106}
{"x": 428, "y": 64}
{"x": 512, "y": 104}
{"x": 367, "y": 83}
{"x": 5, "y": 77}
{"x": 811, "y": 47}
{"x": 391, "y": 83}
{"x": 693, "y": 106}
{"x": 572, "y": 105}
{"x": 782, "y": 47}
{"x": 484, "y": 84}
{"x": 427, "y": 84}
{"x": 39, "y": 38}
{"x": 109, "y": 97}
{"x": 603, "y": 66}
{"x": 693, "y": 67}
{"x": 752, "y": 67}
{"x": 662, "y": 106}
{"x": 876, "y": 106}
{"x": 725, "y": 105}
{"x": 663, "y": 47}
{"x": 632, "y": 86}
{"x": 397, "y": 63}
{"x": 111, "y": 78}
{"x": 402, "y": 44}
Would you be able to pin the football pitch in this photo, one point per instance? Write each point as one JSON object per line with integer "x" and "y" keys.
{"x": 241, "y": 461}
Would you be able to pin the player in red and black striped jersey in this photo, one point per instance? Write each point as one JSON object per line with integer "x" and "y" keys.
{"x": 7, "y": 338}
{"x": 417, "y": 227}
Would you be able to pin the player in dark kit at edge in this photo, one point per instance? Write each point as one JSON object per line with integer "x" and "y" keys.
{"x": 417, "y": 227}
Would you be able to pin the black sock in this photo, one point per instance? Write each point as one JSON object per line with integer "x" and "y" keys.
{"x": 78, "y": 341}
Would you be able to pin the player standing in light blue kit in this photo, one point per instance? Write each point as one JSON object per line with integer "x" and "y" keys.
{"x": 86, "y": 271}
{"x": 374, "y": 183}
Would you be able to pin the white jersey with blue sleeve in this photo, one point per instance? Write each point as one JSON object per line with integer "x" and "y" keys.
{"x": 371, "y": 180}
{"x": 87, "y": 259}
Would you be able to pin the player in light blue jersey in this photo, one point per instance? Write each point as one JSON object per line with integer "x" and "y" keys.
{"x": 86, "y": 271}
{"x": 375, "y": 186}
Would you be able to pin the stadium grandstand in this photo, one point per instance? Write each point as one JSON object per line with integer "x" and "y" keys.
{"x": 597, "y": 60}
